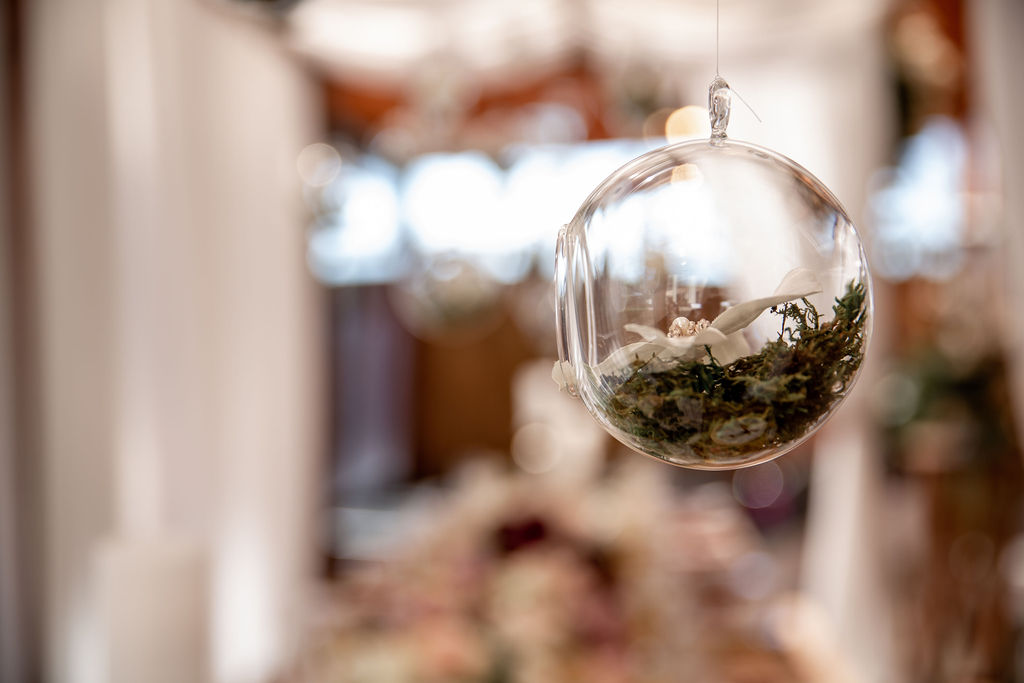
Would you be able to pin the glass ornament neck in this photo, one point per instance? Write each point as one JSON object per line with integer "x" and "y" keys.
{"x": 719, "y": 106}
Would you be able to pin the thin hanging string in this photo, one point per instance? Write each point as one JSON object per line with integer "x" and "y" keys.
{"x": 718, "y": 42}
{"x": 747, "y": 105}
{"x": 718, "y": 54}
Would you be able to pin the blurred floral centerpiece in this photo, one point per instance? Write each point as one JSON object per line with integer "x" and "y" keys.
{"x": 524, "y": 579}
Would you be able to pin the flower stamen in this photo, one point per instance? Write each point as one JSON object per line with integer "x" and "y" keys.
{"x": 684, "y": 327}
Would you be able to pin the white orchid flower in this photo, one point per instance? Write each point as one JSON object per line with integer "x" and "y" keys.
{"x": 690, "y": 340}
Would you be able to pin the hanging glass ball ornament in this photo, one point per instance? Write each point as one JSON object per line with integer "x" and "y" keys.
{"x": 713, "y": 301}
{"x": 447, "y": 299}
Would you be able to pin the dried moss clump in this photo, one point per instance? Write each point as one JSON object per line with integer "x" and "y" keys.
{"x": 702, "y": 410}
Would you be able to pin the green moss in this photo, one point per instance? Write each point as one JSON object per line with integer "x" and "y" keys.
{"x": 708, "y": 411}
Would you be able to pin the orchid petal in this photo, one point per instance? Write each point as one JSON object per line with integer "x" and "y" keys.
{"x": 622, "y": 358}
{"x": 563, "y": 375}
{"x": 653, "y": 335}
{"x": 646, "y": 331}
{"x": 661, "y": 344}
{"x": 733, "y": 348}
{"x": 709, "y": 337}
{"x": 797, "y": 283}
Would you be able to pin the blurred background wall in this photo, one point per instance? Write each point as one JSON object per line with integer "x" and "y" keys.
{"x": 175, "y": 341}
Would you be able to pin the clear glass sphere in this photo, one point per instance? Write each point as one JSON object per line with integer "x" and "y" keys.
{"x": 713, "y": 304}
{"x": 447, "y": 299}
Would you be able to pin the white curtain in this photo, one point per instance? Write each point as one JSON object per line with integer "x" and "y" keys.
{"x": 179, "y": 342}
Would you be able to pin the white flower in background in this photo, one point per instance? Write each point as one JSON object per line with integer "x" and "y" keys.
{"x": 689, "y": 340}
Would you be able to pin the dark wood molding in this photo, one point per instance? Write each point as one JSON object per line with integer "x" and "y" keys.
{"x": 23, "y": 389}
